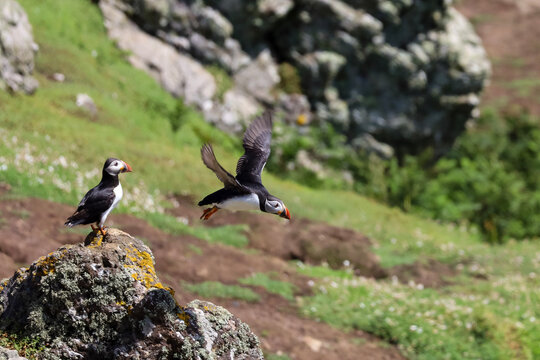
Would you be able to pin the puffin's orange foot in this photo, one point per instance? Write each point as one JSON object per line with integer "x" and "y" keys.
{"x": 208, "y": 213}
{"x": 95, "y": 229}
{"x": 103, "y": 231}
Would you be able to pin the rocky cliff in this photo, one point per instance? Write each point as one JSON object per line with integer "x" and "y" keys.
{"x": 17, "y": 49}
{"x": 390, "y": 74}
{"x": 103, "y": 300}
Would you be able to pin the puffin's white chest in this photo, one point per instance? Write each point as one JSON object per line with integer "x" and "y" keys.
{"x": 244, "y": 202}
{"x": 118, "y": 193}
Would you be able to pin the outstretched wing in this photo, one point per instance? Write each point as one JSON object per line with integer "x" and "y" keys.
{"x": 209, "y": 159}
{"x": 257, "y": 149}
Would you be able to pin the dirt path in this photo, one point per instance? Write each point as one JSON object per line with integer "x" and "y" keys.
{"x": 510, "y": 33}
{"x": 33, "y": 227}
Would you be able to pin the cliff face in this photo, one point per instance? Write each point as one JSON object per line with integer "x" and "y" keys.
{"x": 17, "y": 49}
{"x": 103, "y": 300}
{"x": 390, "y": 74}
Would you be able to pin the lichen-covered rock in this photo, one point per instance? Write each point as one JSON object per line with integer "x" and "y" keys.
{"x": 388, "y": 74}
{"x": 103, "y": 300}
{"x": 17, "y": 48}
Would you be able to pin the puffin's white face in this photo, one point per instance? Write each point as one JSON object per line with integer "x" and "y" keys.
{"x": 117, "y": 166}
{"x": 276, "y": 206}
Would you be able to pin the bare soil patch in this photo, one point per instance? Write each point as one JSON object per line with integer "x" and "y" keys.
{"x": 32, "y": 228}
{"x": 510, "y": 33}
{"x": 298, "y": 239}
{"x": 432, "y": 273}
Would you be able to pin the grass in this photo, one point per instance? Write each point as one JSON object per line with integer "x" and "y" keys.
{"x": 525, "y": 87}
{"x": 214, "y": 289}
{"x": 277, "y": 357}
{"x": 471, "y": 319}
{"x": 52, "y": 150}
{"x": 278, "y": 287}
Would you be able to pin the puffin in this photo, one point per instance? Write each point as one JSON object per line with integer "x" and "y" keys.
{"x": 99, "y": 201}
{"x": 245, "y": 191}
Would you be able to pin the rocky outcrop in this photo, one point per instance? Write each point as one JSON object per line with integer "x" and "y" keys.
{"x": 6, "y": 354}
{"x": 103, "y": 300}
{"x": 389, "y": 74}
{"x": 17, "y": 49}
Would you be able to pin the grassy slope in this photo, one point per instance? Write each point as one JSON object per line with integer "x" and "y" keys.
{"x": 52, "y": 150}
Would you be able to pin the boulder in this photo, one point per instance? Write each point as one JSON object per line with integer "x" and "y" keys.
{"x": 393, "y": 76}
{"x": 259, "y": 78}
{"x": 17, "y": 49}
{"x": 177, "y": 73}
{"x": 6, "y": 354}
{"x": 103, "y": 300}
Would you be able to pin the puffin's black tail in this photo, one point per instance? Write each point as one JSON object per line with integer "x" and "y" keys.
{"x": 75, "y": 219}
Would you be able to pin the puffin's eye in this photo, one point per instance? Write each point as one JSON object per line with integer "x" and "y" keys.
{"x": 115, "y": 163}
{"x": 276, "y": 205}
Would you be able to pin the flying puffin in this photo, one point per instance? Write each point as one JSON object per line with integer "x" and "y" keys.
{"x": 245, "y": 191}
{"x": 102, "y": 199}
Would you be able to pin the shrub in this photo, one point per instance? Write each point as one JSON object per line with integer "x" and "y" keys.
{"x": 489, "y": 179}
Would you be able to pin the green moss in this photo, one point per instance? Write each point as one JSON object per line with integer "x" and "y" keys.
{"x": 290, "y": 82}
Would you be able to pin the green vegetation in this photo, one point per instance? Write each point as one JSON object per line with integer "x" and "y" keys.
{"x": 214, "y": 289}
{"x": 489, "y": 180}
{"x": 278, "y": 287}
{"x": 223, "y": 81}
{"x": 496, "y": 319}
{"x": 525, "y": 87}
{"x": 195, "y": 249}
{"x": 26, "y": 347}
{"x": 492, "y": 171}
{"x": 289, "y": 79}
{"x": 37, "y": 139}
{"x": 277, "y": 357}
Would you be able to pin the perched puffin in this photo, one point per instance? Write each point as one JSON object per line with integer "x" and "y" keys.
{"x": 101, "y": 200}
{"x": 245, "y": 191}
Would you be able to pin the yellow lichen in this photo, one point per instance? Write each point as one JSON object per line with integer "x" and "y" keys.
{"x": 302, "y": 119}
{"x": 96, "y": 241}
{"x": 45, "y": 265}
{"x": 209, "y": 308}
{"x": 184, "y": 316}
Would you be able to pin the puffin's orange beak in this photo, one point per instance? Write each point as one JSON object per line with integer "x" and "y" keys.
{"x": 127, "y": 168}
{"x": 285, "y": 214}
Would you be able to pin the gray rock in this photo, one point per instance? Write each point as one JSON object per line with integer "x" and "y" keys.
{"x": 236, "y": 111}
{"x": 177, "y": 73}
{"x": 294, "y": 109}
{"x": 212, "y": 24}
{"x": 259, "y": 78}
{"x": 229, "y": 56}
{"x": 103, "y": 300}
{"x": 85, "y": 102}
{"x": 388, "y": 74}
{"x": 17, "y": 49}
{"x": 6, "y": 354}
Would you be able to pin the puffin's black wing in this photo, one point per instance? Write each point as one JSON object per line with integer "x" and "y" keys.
{"x": 257, "y": 149}
{"x": 209, "y": 159}
{"x": 92, "y": 206}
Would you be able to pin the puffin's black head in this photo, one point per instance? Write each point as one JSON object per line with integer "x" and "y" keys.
{"x": 116, "y": 166}
{"x": 273, "y": 205}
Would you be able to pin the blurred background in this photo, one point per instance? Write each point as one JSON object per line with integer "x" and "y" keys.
{"x": 406, "y": 145}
